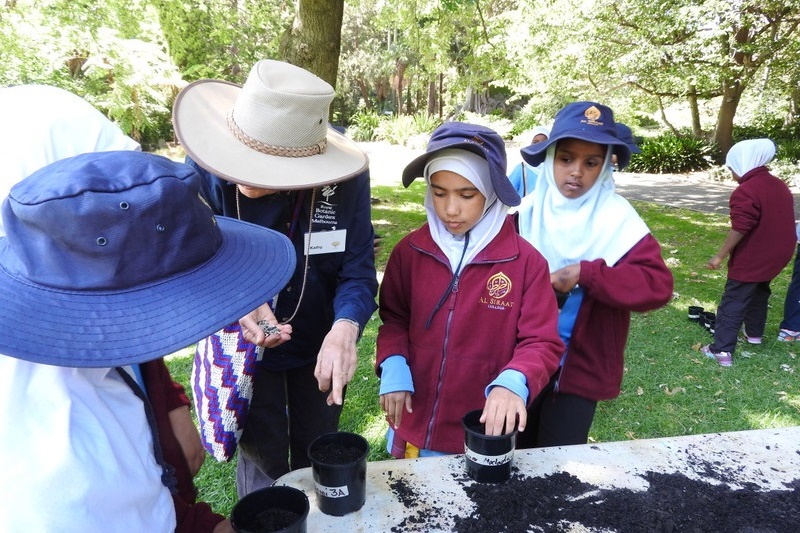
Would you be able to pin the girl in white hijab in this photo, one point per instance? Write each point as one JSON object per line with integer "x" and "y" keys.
{"x": 760, "y": 244}
{"x": 469, "y": 320}
{"x": 603, "y": 261}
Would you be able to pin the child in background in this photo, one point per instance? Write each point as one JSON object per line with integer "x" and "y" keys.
{"x": 603, "y": 263}
{"x": 523, "y": 176}
{"x": 790, "y": 325}
{"x": 469, "y": 318}
{"x": 625, "y": 134}
{"x": 760, "y": 243}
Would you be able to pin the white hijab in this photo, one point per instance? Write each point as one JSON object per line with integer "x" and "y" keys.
{"x": 43, "y": 124}
{"x": 744, "y": 156}
{"x": 598, "y": 225}
{"x": 475, "y": 169}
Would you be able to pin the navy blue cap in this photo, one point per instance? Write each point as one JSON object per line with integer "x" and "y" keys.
{"x": 480, "y": 140}
{"x": 587, "y": 121}
{"x": 625, "y": 134}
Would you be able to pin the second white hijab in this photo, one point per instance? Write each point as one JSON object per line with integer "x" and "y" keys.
{"x": 598, "y": 225}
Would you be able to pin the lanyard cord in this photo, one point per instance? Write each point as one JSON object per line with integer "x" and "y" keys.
{"x": 167, "y": 470}
{"x": 453, "y": 282}
{"x": 292, "y": 227}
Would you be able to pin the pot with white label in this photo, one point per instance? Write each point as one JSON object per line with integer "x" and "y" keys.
{"x": 487, "y": 458}
{"x": 339, "y": 468}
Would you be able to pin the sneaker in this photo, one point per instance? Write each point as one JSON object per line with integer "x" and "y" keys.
{"x": 748, "y": 338}
{"x": 787, "y": 335}
{"x": 723, "y": 358}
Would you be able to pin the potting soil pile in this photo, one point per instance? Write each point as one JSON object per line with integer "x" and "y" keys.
{"x": 560, "y": 502}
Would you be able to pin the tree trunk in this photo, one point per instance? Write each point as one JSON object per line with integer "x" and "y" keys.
{"x": 697, "y": 128}
{"x": 723, "y": 134}
{"x": 314, "y": 40}
{"x": 433, "y": 103}
{"x": 794, "y": 107}
{"x": 398, "y": 80}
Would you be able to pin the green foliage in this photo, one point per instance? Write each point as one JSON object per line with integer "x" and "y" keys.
{"x": 424, "y": 123}
{"x": 524, "y": 123}
{"x": 396, "y": 131}
{"x": 788, "y": 150}
{"x": 669, "y": 153}
{"x": 399, "y": 129}
{"x": 364, "y": 126}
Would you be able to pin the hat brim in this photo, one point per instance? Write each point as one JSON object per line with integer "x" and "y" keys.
{"x": 200, "y": 119}
{"x": 502, "y": 186}
{"x": 535, "y": 154}
{"x": 106, "y": 329}
{"x": 416, "y": 168}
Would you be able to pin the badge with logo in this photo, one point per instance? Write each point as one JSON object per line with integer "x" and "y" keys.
{"x": 497, "y": 288}
{"x": 593, "y": 115}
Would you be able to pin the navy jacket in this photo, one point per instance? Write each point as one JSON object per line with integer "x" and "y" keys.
{"x": 338, "y": 285}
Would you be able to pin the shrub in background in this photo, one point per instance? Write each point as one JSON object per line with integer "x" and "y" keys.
{"x": 670, "y": 153}
{"x": 364, "y": 125}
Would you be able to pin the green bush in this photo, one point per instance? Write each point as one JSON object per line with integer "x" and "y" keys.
{"x": 788, "y": 150}
{"x": 670, "y": 153}
{"x": 424, "y": 123}
{"x": 364, "y": 125}
{"x": 396, "y": 130}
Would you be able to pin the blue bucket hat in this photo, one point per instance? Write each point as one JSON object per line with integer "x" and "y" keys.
{"x": 480, "y": 140}
{"x": 625, "y": 134}
{"x": 114, "y": 258}
{"x": 587, "y": 121}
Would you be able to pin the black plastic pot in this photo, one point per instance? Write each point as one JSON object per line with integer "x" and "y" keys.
{"x": 487, "y": 458}
{"x": 275, "y": 509}
{"x": 339, "y": 468}
{"x": 694, "y": 312}
{"x": 706, "y": 318}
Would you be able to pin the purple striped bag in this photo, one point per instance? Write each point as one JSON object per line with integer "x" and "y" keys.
{"x": 222, "y": 381}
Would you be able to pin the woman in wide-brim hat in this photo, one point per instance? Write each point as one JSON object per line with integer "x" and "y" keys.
{"x": 269, "y": 156}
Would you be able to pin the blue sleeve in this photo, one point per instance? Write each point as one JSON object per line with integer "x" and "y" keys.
{"x": 516, "y": 178}
{"x": 512, "y": 380}
{"x": 358, "y": 283}
{"x": 396, "y": 375}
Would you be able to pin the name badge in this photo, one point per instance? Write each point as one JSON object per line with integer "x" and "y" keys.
{"x": 325, "y": 242}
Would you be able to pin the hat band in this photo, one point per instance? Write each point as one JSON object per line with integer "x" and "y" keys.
{"x": 271, "y": 149}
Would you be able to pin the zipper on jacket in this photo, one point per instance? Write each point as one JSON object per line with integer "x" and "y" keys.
{"x": 445, "y": 342}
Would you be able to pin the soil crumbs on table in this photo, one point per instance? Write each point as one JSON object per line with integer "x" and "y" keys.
{"x": 561, "y": 502}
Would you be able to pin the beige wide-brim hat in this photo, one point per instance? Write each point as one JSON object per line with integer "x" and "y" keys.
{"x": 271, "y": 133}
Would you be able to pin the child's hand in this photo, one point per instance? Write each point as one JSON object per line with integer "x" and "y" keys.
{"x": 565, "y": 279}
{"x": 393, "y": 404}
{"x": 502, "y": 410}
{"x": 714, "y": 263}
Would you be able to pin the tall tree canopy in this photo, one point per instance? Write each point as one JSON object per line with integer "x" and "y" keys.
{"x": 438, "y": 57}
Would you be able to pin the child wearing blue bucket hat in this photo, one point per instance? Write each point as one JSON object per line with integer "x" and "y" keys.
{"x": 469, "y": 318}
{"x": 100, "y": 274}
{"x": 604, "y": 263}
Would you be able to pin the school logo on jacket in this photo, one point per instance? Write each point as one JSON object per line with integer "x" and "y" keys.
{"x": 497, "y": 288}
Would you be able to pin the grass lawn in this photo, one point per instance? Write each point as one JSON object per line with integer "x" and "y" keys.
{"x": 669, "y": 388}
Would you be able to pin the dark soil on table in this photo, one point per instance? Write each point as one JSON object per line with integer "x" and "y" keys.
{"x": 561, "y": 502}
